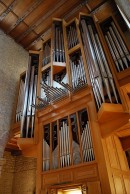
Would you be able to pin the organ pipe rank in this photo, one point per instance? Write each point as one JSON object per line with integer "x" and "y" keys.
{"x": 28, "y": 113}
{"x": 61, "y": 144}
{"x": 116, "y": 44}
{"x": 100, "y": 74}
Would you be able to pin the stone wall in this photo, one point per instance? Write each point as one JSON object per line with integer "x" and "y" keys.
{"x": 18, "y": 175}
{"x": 7, "y": 175}
{"x": 13, "y": 61}
{"x": 24, "y": 176}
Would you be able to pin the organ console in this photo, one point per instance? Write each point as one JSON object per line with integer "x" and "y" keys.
{"x": 69, "y": 91}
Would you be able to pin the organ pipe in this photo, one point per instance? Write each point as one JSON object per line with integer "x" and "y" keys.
{"x": 64, "y": 149}
{"x": 99, "y": 71}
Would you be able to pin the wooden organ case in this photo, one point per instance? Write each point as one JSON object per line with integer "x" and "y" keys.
{"x": 77, "y": 107}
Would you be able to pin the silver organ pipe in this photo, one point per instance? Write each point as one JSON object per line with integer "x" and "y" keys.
{"x": 60, "y": 80}
{"x": 46, "y": 79}
{"x": 30, "y": 101}
{"x": 116, "y": 45}
{"x": 67, "y": 140}
{"x": 64, "y": 138}
{"x": 54, "y": 146}
{"x": 77, "y": 71}
{"x": 58, "y": 43}
{"x": 20, "y": 99}
{"x": 86, "y": 138}
{"x": 75, "y": 140}
{"x": 28, "y": 112}
{"x": 100, "y": 75}
{"x": 46, "y": 148}
{"x": 46, "y": 53}
{"x": 34, "y": 104}
{"x": 72, "y": 37}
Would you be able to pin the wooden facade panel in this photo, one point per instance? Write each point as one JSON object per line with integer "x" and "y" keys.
{"x": 107, "y": 10}
{"x": 121, "y": 154}
{"x": 127, "y": 183}
{"x": 119, "y": 185}
{"x": 93, "y": 187}
{"x": 114, "y": 162}
{"x": 66, "y": 176}
{"x": 85, "y": 173}
{"x": 72, "y": 175}
{"x": 50, "y": 179}
{"x": 125, "y": 90}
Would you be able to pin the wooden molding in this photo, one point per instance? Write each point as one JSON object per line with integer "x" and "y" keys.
{"x": 111, "y": 117}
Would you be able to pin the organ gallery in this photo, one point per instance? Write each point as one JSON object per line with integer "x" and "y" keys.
{"x": 73, "y": 104}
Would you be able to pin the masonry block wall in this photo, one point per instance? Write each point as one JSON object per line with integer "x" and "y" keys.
{"x": 24, "y": 176}
{"x": 18, "y": 175}
{"x": 13, "y": 61}
{"x": 7, "y": 174}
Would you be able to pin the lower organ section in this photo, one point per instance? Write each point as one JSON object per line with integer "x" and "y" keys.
{"x": 67, "y": 141}
{"x": 76, "y": 174}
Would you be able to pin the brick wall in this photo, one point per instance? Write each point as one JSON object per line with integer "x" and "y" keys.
{"x": 18, "y": 175}
{"x": 7, "y": 175}
{"x": 13, "y": 61}
{"x": 24, "y": 176}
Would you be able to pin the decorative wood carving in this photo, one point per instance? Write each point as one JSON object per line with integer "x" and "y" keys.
{"x": 84, "y": 189}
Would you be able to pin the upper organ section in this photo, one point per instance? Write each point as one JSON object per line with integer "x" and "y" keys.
{"x": 81, "y": 54}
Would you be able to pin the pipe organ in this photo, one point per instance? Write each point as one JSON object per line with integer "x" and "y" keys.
{"x": 78, "y": 74}
{"x": 28, "y": 113}
{"x": 20, "y": 98}
{"x": 67, "y": 141}
{"x": 69, "y": 90}
{"x": 46, "y": 53}
{"x": 72, "y": 36}
{"x": 58, "y": 42}
{"x": 99, "y": 71}
{"x": 116, "y": 44}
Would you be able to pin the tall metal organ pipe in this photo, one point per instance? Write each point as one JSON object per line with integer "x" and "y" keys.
{"x": 100, "y": 74}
